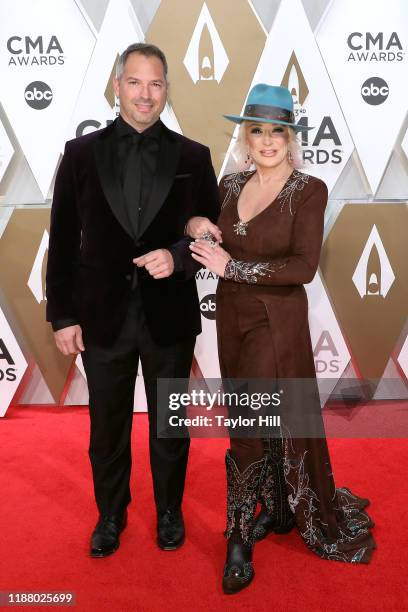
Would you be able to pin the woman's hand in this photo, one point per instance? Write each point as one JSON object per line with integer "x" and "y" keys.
{"x": 214, "y": 258}
{"x": 197, "y": 226}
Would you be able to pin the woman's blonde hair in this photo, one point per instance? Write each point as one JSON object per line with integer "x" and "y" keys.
{"x": 240, "y": 149}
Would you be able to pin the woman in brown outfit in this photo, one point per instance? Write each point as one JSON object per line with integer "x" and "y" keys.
{"x": 272, "y": 227}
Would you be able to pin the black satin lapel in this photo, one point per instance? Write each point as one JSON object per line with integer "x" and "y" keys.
{"x": 167, "y": 162}
{"x": 108, "y": 172}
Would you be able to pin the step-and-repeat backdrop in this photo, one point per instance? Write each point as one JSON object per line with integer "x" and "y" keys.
{"x": 345, "y": 63}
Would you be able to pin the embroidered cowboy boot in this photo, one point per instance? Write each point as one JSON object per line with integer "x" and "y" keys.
{"x": 275, "y": 514}
{"x": 242, "y": 497}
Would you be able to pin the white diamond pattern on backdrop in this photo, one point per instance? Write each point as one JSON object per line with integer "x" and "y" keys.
{"x": 330, "y": 351}
{"x": 46, "y": 47}
{"x": 35, "y": 281}
{"x": 6, "y": 151}
{"x": 291, "y": 57}
{"x": 12, "y": 364}
{"x": 404, "y": 144}
{"x": 87, "y": 17}
{"x": 364, "y": 46}
{"x": 403, "y": 357}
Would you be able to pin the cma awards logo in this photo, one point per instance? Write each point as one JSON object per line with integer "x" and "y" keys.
{"x": 326, "y": 355}
{"x": 35, "y": 282}
{"x": 378, "y": 47}
{"x": 7, "y": 364}
{"x": 313, "y": 152}
{"x": 207, "y": 306}
{"x": 206, "y": 58}
{"x": 39, "y": 51}
{"x": 373, "y": 276}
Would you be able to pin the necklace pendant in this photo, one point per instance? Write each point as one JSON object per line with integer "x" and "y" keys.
{"x": 240, "y": 228}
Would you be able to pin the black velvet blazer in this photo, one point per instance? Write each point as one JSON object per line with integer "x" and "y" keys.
{"x": 90, "y": 268}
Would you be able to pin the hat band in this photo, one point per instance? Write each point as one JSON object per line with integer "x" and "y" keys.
{"x": 269, "y": 112}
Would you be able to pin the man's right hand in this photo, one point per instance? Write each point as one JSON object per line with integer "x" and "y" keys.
{"x": 197, "y": 226}
{"x": 69, "y": 340}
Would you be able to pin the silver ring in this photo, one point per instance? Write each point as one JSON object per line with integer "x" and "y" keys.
{"x": 208, "y": 236}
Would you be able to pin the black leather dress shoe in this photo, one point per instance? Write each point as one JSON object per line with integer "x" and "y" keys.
{"x": 170, "y": 530}
{"x": 105, "y": 538}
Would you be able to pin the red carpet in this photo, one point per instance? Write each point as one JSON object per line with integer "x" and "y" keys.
{"x": 47, "y": 514}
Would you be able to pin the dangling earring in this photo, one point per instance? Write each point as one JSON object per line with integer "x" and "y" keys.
{"x": 248, "y": 158}
{"x": 290, "y": 157}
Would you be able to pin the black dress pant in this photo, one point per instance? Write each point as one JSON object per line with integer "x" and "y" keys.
{"x": 111, "y": 373}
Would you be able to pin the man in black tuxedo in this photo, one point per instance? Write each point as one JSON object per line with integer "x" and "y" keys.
{"x": 121, "y": 282}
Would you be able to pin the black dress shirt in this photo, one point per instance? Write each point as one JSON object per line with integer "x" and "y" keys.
{"x": 137, "y": 160}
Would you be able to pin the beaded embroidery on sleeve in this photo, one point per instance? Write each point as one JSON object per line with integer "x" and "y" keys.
{"x": 247, "y": 272}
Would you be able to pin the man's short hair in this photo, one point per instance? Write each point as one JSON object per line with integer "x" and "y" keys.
{"x": 146, "y": 49}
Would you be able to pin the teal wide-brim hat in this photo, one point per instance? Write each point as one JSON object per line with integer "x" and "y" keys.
{"x": 269, "y": 104}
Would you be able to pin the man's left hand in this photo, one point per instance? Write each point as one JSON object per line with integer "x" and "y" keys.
{"x": 159, "y": 263}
